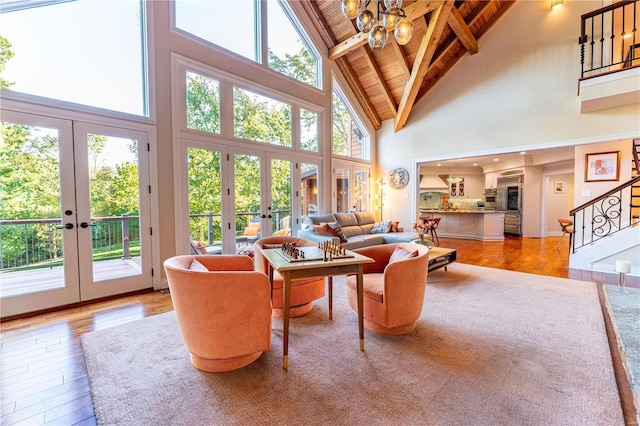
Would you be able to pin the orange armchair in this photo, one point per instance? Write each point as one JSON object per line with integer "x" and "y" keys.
{"x": 223, "y": 309}
{"x": 303, "y": 291}
{"x": 393, "y": 292}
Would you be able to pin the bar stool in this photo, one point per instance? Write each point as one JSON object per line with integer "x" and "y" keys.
{"x": 431, "y": 224}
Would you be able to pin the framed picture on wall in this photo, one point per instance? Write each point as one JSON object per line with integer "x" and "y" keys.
{"x": 558, "y": 187}
{"x": 602, "y": 167}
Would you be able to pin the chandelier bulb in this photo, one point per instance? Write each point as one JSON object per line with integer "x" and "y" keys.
{"x": 390, "y": 4}
{"x": 403, "y": 31}
{"x": 365, "y": 20}
{"x": 377, "y": 37}
{"x": 350, "y": 8}
{"x": 391, "y": 18}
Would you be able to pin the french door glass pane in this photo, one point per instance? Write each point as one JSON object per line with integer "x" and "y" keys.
{"x": 342, "y": 189}
{"x": 31, "y": 255}
{"x": 361, "y": 189}
{"x": 281, "y": 197}
{"x": 247, "y": 200}
{"x": 115, "y": 206}
{"x": 205, "y": 200}
{"x": 308, "y": 189}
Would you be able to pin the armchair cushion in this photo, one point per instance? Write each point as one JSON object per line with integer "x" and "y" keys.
{"x": 400, "y": 254}
{"x": 197, "y": 266}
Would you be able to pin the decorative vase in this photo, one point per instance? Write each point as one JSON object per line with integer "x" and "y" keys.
{"x": 422, "y": 241}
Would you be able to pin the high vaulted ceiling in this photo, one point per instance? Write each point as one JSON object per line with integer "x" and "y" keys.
{"x": 388, "y": 82}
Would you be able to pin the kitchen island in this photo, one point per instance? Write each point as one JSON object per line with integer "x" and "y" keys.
{"x": 484, "y": 225}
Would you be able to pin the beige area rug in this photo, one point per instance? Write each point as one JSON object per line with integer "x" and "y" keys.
{"x": 492, "y": 347}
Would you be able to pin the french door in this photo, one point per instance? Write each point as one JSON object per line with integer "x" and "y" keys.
{"x": 236, "y": 196}
{"x": 74, "y": 213}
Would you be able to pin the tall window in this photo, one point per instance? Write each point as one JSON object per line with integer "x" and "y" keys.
{"x": 348, "y": 139}
{"x": 203, "y": 103}
{"x": 308, "y": 130}
{"x": 288, "y": 49}
{"x": 261, "y": 119}
{"x": 214, "y": 21}
{"x": 88, "y": 52}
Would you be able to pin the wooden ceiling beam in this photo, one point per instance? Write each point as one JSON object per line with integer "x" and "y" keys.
{"x": 457, "y": 24}
{"x": 401, "y": 56}
{"x": 327, "y": 35}
{"x": 425, "y": 53}
{"x": 501, "y": 11}
{"x": 388, "y": 98}
{"x": 413, "y": 11}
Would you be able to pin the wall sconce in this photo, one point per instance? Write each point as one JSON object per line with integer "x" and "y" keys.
{"x": 556, "y": 4}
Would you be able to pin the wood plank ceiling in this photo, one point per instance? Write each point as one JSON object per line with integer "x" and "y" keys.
{"x": 388, "y": 82}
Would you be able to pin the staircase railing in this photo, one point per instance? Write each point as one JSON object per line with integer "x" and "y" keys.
{"x": 609, "y": 39}
{"x": 604, "y": 216}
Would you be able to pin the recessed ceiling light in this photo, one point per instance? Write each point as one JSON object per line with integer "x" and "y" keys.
{"x": 475, "y": 164}
{"x": 495, "y": 159}
{"x": 439, "y": 164}
{"x": 523, "y": 152}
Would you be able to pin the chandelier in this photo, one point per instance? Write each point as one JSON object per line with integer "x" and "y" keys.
{"x": 393, "y": 19}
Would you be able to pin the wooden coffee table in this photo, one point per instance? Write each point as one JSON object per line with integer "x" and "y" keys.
{"x": 441, "y": 257}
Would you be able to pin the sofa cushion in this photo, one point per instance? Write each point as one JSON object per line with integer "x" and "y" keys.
{"x": 371, "y": 239}
{"x": 400, "y": 237}
{"x": 325, "y": 229}
{"x": 381, "y": 227}
{"x": 318, "y": 219}
{"x": 401, "y": 254}
{"x": 338, "y": 230}
{"x": 346, "y": 219}
{"x": 365, "y": 218}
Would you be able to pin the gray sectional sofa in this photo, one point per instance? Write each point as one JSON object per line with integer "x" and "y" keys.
{"x": 357, "y": 229}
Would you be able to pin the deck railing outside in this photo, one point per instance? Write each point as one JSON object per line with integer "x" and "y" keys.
{"x": 37, "y": 243}
{"x": 609, "y": 39}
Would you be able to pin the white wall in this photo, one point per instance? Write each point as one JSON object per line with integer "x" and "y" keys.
{"x": 518, "y": 93}
{"x": 558, "y": 204}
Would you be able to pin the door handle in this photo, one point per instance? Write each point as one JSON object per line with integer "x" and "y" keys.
{"x": 86, "y": 225}
{"x": 66, "y": 225}
{"x": 264, "y": 216}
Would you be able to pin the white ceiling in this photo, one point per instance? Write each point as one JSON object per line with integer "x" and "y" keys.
{"x": 504, "y": 161}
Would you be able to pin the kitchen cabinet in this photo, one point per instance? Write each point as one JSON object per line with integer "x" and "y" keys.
{"x": 469, "y": 224}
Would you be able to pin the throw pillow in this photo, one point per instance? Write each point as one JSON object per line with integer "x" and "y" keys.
{"x": 201, "y": 247}
{"x": 338, "y": 229}
{"x": 394, "y": 227}
{"x": 197, "y": 266}
{"x": 401, "y": 254}
{"x": 381, "y": 227}
{"x": 325, "y": 229}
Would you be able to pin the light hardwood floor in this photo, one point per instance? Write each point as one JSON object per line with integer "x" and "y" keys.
{"x": 42, "y": 369}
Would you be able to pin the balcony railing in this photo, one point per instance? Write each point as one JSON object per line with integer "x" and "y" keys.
{"x": 37, "y": 243}
{"x": 609, "y": 39}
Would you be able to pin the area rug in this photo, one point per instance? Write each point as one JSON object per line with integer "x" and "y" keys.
{"x": 492, "y": 347}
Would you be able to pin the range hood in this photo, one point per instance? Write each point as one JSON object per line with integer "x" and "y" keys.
{"x": 434, "y": 182}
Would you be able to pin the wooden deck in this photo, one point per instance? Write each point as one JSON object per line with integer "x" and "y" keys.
{"x": 36, "y": 280}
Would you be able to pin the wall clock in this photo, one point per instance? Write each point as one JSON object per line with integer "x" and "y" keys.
{"x": 398, "y": 178}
